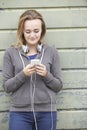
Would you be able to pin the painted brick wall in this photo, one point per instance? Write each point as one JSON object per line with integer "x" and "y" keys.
{"x": 66, "y": 22}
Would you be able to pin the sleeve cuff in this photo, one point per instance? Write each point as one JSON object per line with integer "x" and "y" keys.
{"x": 21, "y": 76}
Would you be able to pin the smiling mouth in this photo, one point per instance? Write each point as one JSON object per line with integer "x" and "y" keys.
{"x": 32, "y": 39}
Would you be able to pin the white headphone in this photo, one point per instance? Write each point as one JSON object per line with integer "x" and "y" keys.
{"x": 26, "y": 48}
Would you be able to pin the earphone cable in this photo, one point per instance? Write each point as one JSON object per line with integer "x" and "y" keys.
{"x": 32, "y": 99}
{"x": 32, "y": 91}
{"x": 21, "y": 59}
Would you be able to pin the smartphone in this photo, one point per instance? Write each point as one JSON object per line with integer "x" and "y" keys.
{"x": 35, "y": 62}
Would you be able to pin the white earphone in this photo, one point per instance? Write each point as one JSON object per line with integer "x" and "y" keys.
{"x": 26, "y": 48}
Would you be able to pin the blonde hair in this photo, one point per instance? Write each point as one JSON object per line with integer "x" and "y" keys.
{"x": 28, "y": 15}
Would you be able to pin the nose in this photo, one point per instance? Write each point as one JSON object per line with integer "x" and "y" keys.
{"x": 32, "y": 34}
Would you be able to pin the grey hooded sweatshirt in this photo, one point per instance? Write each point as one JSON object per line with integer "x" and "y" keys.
{"x": 28, "y": 92}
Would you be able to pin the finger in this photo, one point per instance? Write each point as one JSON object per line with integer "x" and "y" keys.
{"x": 40, "y": 67}
{"x": 30, "y": 66}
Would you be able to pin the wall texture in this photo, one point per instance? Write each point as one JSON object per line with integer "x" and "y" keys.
{"x": 66, "y": 22}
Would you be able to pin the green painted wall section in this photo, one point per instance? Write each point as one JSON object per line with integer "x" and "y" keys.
{"x": 60, "y": 18}
{"x": 66, "y": 22}
{"x": 67, "y": 38}
{"x": 41, "y": 4}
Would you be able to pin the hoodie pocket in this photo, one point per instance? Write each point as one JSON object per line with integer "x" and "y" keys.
{"x": 43, "y": 94}
{"x": 21, "y": 97}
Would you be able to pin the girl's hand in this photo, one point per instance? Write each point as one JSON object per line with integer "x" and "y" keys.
{"x": 29, "y": 70}
{"x": 41, "y": 70}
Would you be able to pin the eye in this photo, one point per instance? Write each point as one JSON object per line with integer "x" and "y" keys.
{"x": 28, "y": 32}
{"x": 36, "y": 31}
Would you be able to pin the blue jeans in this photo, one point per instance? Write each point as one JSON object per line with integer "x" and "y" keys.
{"x": 26, "y": 121}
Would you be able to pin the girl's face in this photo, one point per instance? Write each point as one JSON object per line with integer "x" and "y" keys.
{"x": 32, "y": 31}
